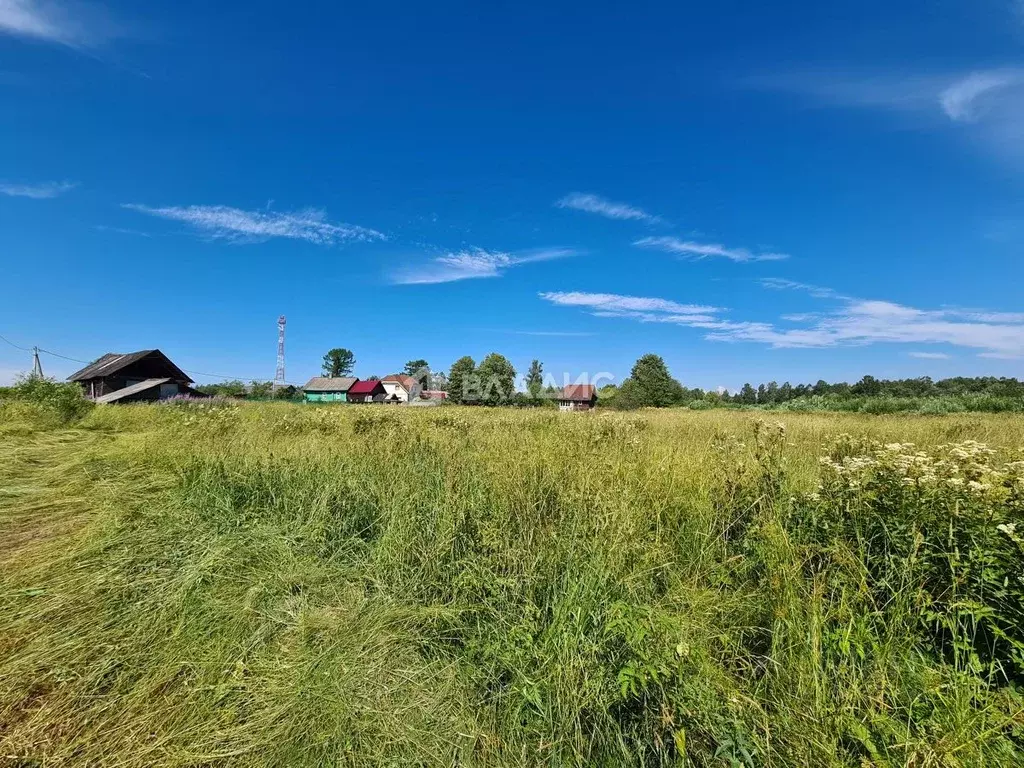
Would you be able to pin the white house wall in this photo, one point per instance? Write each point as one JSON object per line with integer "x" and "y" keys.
{"x": 394, "y": 388}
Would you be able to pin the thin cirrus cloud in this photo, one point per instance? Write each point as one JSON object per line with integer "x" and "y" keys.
{"x": 71, "y": 23}
{"x": 121, "y": 231}
{"x": 781, "y": 284}
{"x": 41, "y": 191}
{"x": 636, "y": 307}
{"x": 221, "y": 222}
{"x": 474, "y": 263}
{"x": 987, "y": 104}
{"x": 590, "y": 203}
{"x": 854, "y": 322}
{"x": 930, "y": 355}
{"x": 690, "y": 249}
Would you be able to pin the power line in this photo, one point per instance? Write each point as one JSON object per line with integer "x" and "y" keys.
{"x": 23, "y": 349}
{"x": 88, "y": 362}
{"x": 229, "y": 378}
{"x": 65, "y": 357}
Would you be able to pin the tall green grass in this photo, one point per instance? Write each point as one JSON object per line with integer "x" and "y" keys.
{"x": 267, "y": 584}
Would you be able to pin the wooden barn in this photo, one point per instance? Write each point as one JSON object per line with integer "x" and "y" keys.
{"x": 133, "y": 377}
{"x": 577, "y": 397}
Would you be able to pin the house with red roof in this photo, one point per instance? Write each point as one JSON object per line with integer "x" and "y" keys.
{"x": 577, "y": 397}
{"x": 401, "y": 388}
{"x": 369, "y": 391}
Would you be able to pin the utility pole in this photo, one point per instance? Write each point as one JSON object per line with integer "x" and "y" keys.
{"x": 37, "y": 367}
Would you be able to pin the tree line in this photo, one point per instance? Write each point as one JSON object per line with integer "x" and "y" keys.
{"x": 868, "y": 386}
{"x": 493, "y": 381}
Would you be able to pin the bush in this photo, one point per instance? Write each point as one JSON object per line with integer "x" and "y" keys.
{"x": 63, "y": 401}
{"x": 939, "y": 536}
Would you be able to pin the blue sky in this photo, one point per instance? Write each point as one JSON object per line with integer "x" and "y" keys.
{"x": 755, "y": 191}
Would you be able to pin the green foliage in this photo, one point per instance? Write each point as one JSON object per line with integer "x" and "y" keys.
{"x": 338, "y": 362}
{"x": 260, "y": 390}
{"x": 288, "y": 392}
{"x": 650, "y": 384}
{"x": 871, "y": 395}
{"x": 460, "y": 379}
{"x": 255, "y": 390}
{"x": 419, "y": 370}
{"x": 234, "y": 388}
{"x": 496, "y": 380}
{"x": 937, "y": 533}
{"x": 535, "y": 380}
{"x": 58, "y": 401}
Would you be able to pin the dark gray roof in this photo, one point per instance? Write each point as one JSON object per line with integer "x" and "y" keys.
{"x": 328, "y": 384}
{"x": 112, "y": 362}
{"x": 142, "y": 386}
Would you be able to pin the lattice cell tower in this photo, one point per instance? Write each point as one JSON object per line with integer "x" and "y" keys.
{"x": 279, "y": 374}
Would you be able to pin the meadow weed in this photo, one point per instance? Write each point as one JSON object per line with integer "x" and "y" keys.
{"x": 271, "y": 584}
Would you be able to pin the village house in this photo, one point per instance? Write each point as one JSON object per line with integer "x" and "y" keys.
{"x": 137, "y": 376}
{"x": 327, "y": 389}
{"x": 577, "y": 397}
{"x": 401, "y": 388}
{"x": 371, "y": 391}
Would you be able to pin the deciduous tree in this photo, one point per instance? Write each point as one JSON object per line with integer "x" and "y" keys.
{"x": 497, "y": 379}
{"x": 460, "y": 379}
{"x": 652, "y": 384}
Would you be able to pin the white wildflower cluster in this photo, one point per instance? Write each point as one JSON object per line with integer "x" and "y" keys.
{"x": 1010, "y": 531}
{"x": 964, "y": 469}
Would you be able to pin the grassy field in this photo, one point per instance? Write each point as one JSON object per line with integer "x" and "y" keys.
{"x": 273, "y": 584}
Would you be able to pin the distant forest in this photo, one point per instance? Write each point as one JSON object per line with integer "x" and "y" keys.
{"x": 871, "y": 395}
{"x": 772, "y": 392}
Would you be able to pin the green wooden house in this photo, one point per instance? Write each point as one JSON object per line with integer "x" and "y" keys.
{"x": 324, "y": 389}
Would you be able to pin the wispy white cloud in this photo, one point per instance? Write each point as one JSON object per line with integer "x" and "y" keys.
{"x": 581, "y": 201}
{"x": 71, "y": 22}
{"x": 238, "y": 226}
{"x": 930, "y": 355}
{"x": 839, "y": 89}
{"x": 612, "y": 303}
{"x": 782, "y": 284}
{"x": 41, "y": 191}
{"x": 987, "y": 103}
{"x": 853, "y": 322}
{"x": 983, "y": 316}
{"x": 964, "y": 99}
{"x": 472, "y": 264}
{"x": 703, "y": 250}
{"x": 121, "y": 230}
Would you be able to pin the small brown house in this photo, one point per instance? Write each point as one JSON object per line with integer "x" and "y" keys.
{"x": 136, "y": 376}
{"x": 577, "y": 397}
